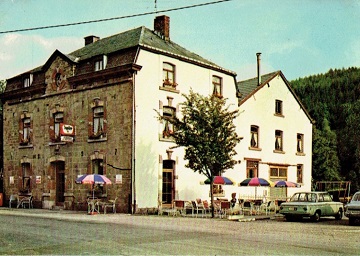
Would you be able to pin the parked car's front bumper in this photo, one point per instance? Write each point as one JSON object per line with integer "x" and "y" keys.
{"x": 352, "y": 212}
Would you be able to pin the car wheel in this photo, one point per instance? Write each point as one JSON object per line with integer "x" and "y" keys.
{"x": 339, "y": 215}
{"x": 352, "y": 221}
{"x": 316, "y": 217}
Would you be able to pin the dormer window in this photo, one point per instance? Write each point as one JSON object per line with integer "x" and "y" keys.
{"x": 217, "y": 83}
{"x": 100, "y": 64}
{"x": 28, "y": 81}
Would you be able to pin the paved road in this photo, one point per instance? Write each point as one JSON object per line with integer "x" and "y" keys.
{"x": 49, "y": 232}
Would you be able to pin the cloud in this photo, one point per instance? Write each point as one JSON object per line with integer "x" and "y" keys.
{"x": 20, "y": 53}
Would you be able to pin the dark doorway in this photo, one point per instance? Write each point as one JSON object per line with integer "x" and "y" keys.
{"x": 60, "y": 182}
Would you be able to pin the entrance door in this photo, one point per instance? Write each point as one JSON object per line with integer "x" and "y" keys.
{"x": 60, "y": 182}
{"x": 168, "y": 186}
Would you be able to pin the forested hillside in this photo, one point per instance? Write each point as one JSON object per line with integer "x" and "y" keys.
{"x": 333, "y": 101}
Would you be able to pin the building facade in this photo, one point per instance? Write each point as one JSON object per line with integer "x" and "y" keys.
{"x": 95, "y": 111}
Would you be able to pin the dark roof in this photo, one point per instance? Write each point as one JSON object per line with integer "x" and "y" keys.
{"x": 248, "y": 87}
{"x": 245, "y": 89}
{"x": 144, "y": 38}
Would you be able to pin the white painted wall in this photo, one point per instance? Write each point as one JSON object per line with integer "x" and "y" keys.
{"x": 259, "y": 110}
{"x": 149, "y": 149}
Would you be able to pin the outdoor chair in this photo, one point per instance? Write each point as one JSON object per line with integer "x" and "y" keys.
{"x": 198, "y": 207}
{"x": 265, "y": 207}
{"x": 224, "y": 208}
{"x": 248, "y": 207}
{"x": 14, "y": 199}
{"x": 27, "y": 201}
{"x": 179, "y": 206}
{"x": 110, "y": 204}
{"x": 207, "y": 208}
{"x": 189, "y": 206}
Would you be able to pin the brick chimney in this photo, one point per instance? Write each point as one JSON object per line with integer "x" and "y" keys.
{"x": 91, "y": 39}
{"x": 162, "y": 27}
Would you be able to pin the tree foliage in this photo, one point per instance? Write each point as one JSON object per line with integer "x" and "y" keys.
{"x": 207, "y": 132}
{"x": 332, "y": 100}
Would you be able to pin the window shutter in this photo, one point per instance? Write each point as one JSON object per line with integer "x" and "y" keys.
{"x": 31, "y": 77}
{"x": 52, "y": 128}
{"x": 104, "y": 61}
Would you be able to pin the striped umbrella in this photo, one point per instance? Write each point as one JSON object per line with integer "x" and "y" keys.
{"x": 286, "y": 184}
{"x": 93, "y": 179}
{"x": 256, "y": 182}
{"x": 220, "y": 180}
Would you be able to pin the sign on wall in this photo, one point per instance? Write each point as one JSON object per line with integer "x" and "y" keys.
{"x": 118, "y": 179}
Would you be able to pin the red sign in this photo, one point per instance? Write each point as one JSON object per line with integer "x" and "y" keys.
{"x": 67, "y": 130}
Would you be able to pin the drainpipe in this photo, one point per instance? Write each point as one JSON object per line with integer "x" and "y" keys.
{"x": 258, "y": 68}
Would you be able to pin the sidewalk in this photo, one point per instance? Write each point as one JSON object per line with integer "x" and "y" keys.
{"x": 110, "y": 217}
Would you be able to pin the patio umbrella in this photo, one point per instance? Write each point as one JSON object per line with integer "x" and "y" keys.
{"x": 256, "y": 182}
{"x": 286, "y": 184}
{"x": 93, "y": 179}
{"x": 220, "y": 180}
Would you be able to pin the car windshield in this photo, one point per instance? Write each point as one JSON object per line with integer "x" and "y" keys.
{"x": 303, "y": 197}
{"x": 356, "y": 197}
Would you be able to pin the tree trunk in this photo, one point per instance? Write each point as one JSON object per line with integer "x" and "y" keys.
{"x": 212, "y": 199}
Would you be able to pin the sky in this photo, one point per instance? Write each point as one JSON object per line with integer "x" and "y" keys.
{"x": 298, "y": 37}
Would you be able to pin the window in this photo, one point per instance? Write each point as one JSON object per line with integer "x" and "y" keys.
{"x": 25, "y": 173}
{"x": 25, "y": 129}
{"x": 217, "y": 83}
{"x": 299, "y": 173}
{"x": 278, "y": 173}
{"x": 252, "y": 169}
{"x": 254, "y": 141}
{"x": 278, "y": 107}
{"x": 101, "y": 64}
{"x": 168, "y": 129}
{"x": 97, "y": 130}
{"x": 98, "y": 120}
{"x": 58, "y": 119}
{"x": 28, "y": 81}
{"x": 278, "y": 140}
{"x": 300, "y": 143}
{"x": 97, "y": 167}
{"x": 169, "y": 75}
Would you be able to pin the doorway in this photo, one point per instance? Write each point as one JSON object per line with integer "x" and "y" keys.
{"x": 168, "y": 184}
{"x": 59, "y": 168}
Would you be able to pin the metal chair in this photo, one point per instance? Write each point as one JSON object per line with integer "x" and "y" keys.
{"x": 27, "y": 200}
{"x": 110, "y": 204}
{"x": 14, "y": 199}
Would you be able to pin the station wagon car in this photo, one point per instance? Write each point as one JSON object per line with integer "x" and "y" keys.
{"x": 311, "y": 204}
{"x": 352, "y": 209}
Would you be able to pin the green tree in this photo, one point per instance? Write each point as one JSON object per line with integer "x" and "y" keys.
{"x": 325, "y": 160}
{"x": 207, "y": 132}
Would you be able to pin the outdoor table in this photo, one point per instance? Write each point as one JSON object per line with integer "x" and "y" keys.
{"x": 93, "y": 206}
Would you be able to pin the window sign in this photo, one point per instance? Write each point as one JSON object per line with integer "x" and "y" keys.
{"x": 118, "y": 179}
